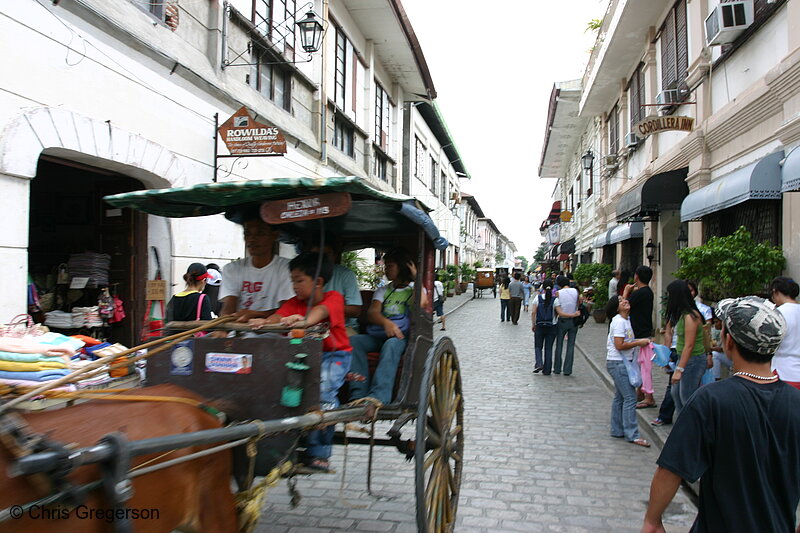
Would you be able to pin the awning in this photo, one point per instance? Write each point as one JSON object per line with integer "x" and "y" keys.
{"x": 553, "y": 253}
{"x": 555, "y": 213}
{"x": 567, "y": 247}
{"x": 757, "y": 181}
{"x": 663, "y": 192}
{"x": 790, "y": 172}
{"x": 601, "y": 239}
{"x": 563, "y": 257}
{"x": 623, "y": 232}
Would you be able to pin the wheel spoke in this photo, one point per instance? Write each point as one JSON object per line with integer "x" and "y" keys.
{"x": 434, "y": 455}
{"x": 456, "y": 456}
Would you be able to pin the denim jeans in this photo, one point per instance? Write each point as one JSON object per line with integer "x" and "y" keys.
{"x": 689, "y": 382}
{"x": 505, "y": 310}
{"x": 334, "y": 367}
{"x": 566, "y": 326}
{"x": 544, "y": 337}
{"x": 381, "y": 385}
{"x": 623, "y": 406}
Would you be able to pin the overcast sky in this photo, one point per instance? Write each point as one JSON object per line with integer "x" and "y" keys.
{"x": 493, "y": 65}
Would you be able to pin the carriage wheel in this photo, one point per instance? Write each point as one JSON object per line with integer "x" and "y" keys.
{"x": 440, "y": 440}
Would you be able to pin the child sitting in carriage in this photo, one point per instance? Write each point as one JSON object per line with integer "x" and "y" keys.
{"x": 336, "y": 351}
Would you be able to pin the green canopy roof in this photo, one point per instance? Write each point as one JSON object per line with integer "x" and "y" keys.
{"x": 212, "y": 198}
{"x": 374, "y": 213}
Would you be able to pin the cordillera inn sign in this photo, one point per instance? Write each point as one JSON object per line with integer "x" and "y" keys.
{"x": 652, "y": 125}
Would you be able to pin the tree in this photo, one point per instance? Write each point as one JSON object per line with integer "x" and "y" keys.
{"x": 598, "y": 274}
{"x": 732, "y": 266}
{"x": 524, "y": 262}
{"x": 499, "y": 258}
{"x": 541, "y": 253}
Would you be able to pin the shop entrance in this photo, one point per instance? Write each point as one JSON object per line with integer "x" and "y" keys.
{"x": 68, "y": 217}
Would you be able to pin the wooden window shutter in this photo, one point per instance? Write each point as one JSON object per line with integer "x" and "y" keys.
{"x": 668, "y": 75}
{"x": 355, "y": 78}
{"x": 681, "y": 42}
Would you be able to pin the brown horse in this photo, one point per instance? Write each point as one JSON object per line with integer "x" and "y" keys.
{"x": 190, "y": 496}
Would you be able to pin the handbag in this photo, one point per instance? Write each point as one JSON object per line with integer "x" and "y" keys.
{"x": 401, "y": 321}
{"x": 199, "y": 309}
{"x": 634, "y": 373}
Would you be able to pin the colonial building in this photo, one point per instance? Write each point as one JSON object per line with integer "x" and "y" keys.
{"x": 110, "y": 96}
{"x": 433, "y": 175}
{"x": 686, "y": 125}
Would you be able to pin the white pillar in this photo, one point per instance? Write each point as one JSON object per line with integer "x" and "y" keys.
{"x": 14, "y": 204}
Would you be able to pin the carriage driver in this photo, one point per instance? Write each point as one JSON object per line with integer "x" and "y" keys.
{"x": 254, "y": 287}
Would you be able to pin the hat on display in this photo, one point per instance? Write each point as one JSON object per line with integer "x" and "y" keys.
{"x": 197, "y": 271}
{"x": 753, "y": 322}
{"x": 214, "y": 277}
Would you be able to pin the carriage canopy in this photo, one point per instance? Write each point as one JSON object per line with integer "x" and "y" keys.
{"x": 372, "y": 212}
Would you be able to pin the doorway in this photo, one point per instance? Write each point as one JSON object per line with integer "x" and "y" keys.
{"x": 68, "y": 216}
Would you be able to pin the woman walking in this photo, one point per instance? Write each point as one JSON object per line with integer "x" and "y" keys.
{"x": 620, "y": 344}
{"x": 684, "y": 317}
{"x": 543, "y": 325}
{"x": 786, "y": 361}
{"x": 505, "y": 299}
{"x": 191, "y": 304}
{"x": 526, "y": 292}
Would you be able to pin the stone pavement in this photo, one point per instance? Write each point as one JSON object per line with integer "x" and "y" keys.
{"x": 538, "y": 456}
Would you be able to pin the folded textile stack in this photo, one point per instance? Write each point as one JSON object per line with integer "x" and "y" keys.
{"x": 90, "y": 265}
{"x": 36, "y": 367}
{"x": 58, "y": 319}
{"x": 86, "y": 317}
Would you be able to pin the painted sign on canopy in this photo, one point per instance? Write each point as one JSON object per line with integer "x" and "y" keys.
{"x": 244, "y": 136}
{"x": 327, "y": 205}
{"x": 658, "y": 124}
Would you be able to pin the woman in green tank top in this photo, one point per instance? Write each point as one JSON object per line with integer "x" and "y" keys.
{"x": 683, "y": 315}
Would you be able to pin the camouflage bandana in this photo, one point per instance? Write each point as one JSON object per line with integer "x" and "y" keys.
{"x": 753, "y": 323}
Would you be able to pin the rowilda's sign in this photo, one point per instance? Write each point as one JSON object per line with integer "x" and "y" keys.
{"x": 326, "y": 205}
{"x": 652, "y": 125}
{"x": 244, "y": 136}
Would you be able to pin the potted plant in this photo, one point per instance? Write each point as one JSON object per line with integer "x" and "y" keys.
{"x": 732, "y": 266}
{"x": 451, "y": 272}
{"x": 599, "y": 275}
{"x": 467, "y": 274}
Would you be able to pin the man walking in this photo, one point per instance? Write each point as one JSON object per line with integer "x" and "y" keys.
{"x": 517, "y": 292}
{"x": 613, "y": 282}
{"x": 739, "y": 436}
{"x": 640, "y": 296}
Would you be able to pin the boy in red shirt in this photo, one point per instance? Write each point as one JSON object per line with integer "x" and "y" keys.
{"x": 327, "y": 307}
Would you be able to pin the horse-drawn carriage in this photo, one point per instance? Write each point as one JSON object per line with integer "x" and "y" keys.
{"x": 484, "y": 280}
{"x": 132, "y": 456}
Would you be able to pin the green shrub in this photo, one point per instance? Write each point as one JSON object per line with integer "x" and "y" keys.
{"x": 598, "y": 274}
{"x": 732, "y": 266}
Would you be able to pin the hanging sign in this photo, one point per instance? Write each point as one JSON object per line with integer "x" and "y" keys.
{"x": 327, "y": 205}
{"x": 244, "y": 136}
{"x": 554, "y": 234}
{"x": 566, "y": 215}
{"x": 652, "y": 125}
{"x": 155, "y": 289}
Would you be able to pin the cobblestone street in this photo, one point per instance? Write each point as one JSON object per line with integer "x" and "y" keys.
{"x": 538, "y": 456}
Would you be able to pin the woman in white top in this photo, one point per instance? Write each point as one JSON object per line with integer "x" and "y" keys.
{"x": 620, "y": 343}
{"x": 567, "y": 311}
{"x": 786, "y": 361}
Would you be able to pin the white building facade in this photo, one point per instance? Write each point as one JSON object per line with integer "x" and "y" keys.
{"x": 117, "y": 95}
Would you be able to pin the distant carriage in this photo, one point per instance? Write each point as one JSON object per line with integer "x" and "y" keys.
{"x": 484, "y": 280}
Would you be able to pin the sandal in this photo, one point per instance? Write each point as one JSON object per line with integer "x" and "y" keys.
{"x": 319, "y": 464}
{"x": 640, "y": 442}
{"x": 643, "y": 405}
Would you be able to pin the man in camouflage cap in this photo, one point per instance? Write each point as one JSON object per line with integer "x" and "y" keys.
{"x": 739, "y": 436}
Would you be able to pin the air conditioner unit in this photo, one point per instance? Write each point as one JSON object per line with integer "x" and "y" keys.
{"x": 668, "y": 99}
{"x": 728, "y": 21}
{"x": 632, "y": 141}
{"x": 610, "y": 161}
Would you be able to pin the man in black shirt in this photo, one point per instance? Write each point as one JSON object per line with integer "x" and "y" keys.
{"x": 740, "y": 436}
{"x": 640, "y": 296}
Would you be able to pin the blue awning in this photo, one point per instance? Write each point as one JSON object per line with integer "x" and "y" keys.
{"x": 601, "y": 239}
{"x": 757, "y": 181}
{"x": 623, "y": 232}
{"x": 790, "y": 171}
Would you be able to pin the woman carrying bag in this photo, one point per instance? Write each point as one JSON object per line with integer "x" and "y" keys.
{"x": 191, "y": 304}
{"x": 620, "y": 345}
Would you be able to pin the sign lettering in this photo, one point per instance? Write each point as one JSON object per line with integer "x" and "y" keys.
{"x": 244, "y": 136}
{"x": 652, "y": 125}
{"x": 307, "y": 208}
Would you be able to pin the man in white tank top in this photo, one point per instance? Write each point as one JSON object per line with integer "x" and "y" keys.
{"x": 567, "y": 310}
